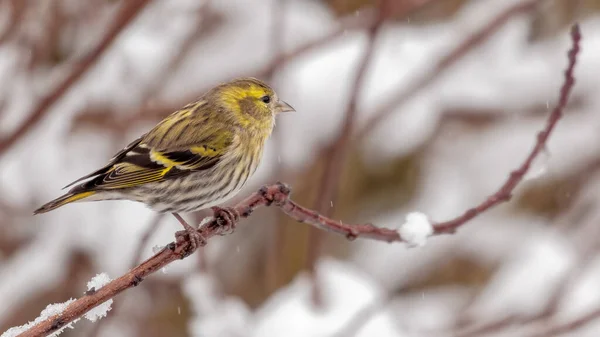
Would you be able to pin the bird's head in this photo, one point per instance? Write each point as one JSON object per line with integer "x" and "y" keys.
{"x": 251, "y": 102}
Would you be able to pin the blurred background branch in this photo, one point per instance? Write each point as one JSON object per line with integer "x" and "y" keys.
{"x": 125, "y": 16}
{"x": 336, "y": 155}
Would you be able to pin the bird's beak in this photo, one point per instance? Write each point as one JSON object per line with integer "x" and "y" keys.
{"x": 284, "y": 107}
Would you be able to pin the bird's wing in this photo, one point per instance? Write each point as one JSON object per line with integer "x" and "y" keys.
{"x": 180, "y": 144}
{"x": 117, "y": 157}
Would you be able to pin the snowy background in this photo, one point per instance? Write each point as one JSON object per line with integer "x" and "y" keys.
{"x": 518, "y": 270}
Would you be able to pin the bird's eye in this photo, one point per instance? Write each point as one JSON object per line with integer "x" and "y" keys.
{"x": 266, "y": 99}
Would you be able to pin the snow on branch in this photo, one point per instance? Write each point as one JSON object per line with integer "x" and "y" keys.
{"x": 414, "y": 232}
{"x": 416, "y": 229}
{"x": 50, "y": 311}
{"x": 57, "y": 309}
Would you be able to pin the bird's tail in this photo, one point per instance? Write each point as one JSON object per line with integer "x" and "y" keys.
{"x": 63, "y": 200}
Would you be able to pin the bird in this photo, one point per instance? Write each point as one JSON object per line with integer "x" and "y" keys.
{"x": 196, "y": 158}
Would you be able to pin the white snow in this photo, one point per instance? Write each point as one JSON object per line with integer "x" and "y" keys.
{"x": 93, "y": 315}
{"x": 98, "y": 281}
{"x": 49, "y": 311}
{"x": 416, "y": 229}
{"x": 101, "y": 310}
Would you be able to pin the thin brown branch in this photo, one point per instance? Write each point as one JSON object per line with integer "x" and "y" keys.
{"x": 278, "y": 195}
{"x": 172, "y": 252}
{"x": 505, "y": 192}
{"x": 474, "y": 40}
{"x": 129, "y": 11}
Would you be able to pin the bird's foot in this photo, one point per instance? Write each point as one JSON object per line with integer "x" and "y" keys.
{"x": 226, "y": 217}
{"x": 189, "y": 233}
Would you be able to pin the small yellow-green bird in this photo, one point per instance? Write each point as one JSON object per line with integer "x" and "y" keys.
{"x": 196, "y": 158}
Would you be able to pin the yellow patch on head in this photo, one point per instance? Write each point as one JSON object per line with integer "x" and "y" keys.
{"x": 233, "y": 95}
{"x": 244, "y": 100}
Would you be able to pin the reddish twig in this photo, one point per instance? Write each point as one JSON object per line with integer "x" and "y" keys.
{"x": 505, "y": 192}
{"x": 126, "y": 15}
{"x": 401, "y": 97}
{"x": 173, "y": 251}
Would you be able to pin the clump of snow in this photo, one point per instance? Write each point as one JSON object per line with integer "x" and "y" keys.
{"x": 49, "y": 311}
{"x": 97, "y": 282}
{"x": 93, "y": 315}
{"x": 100, "y": 311}
{"x": 416, "y": 229}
